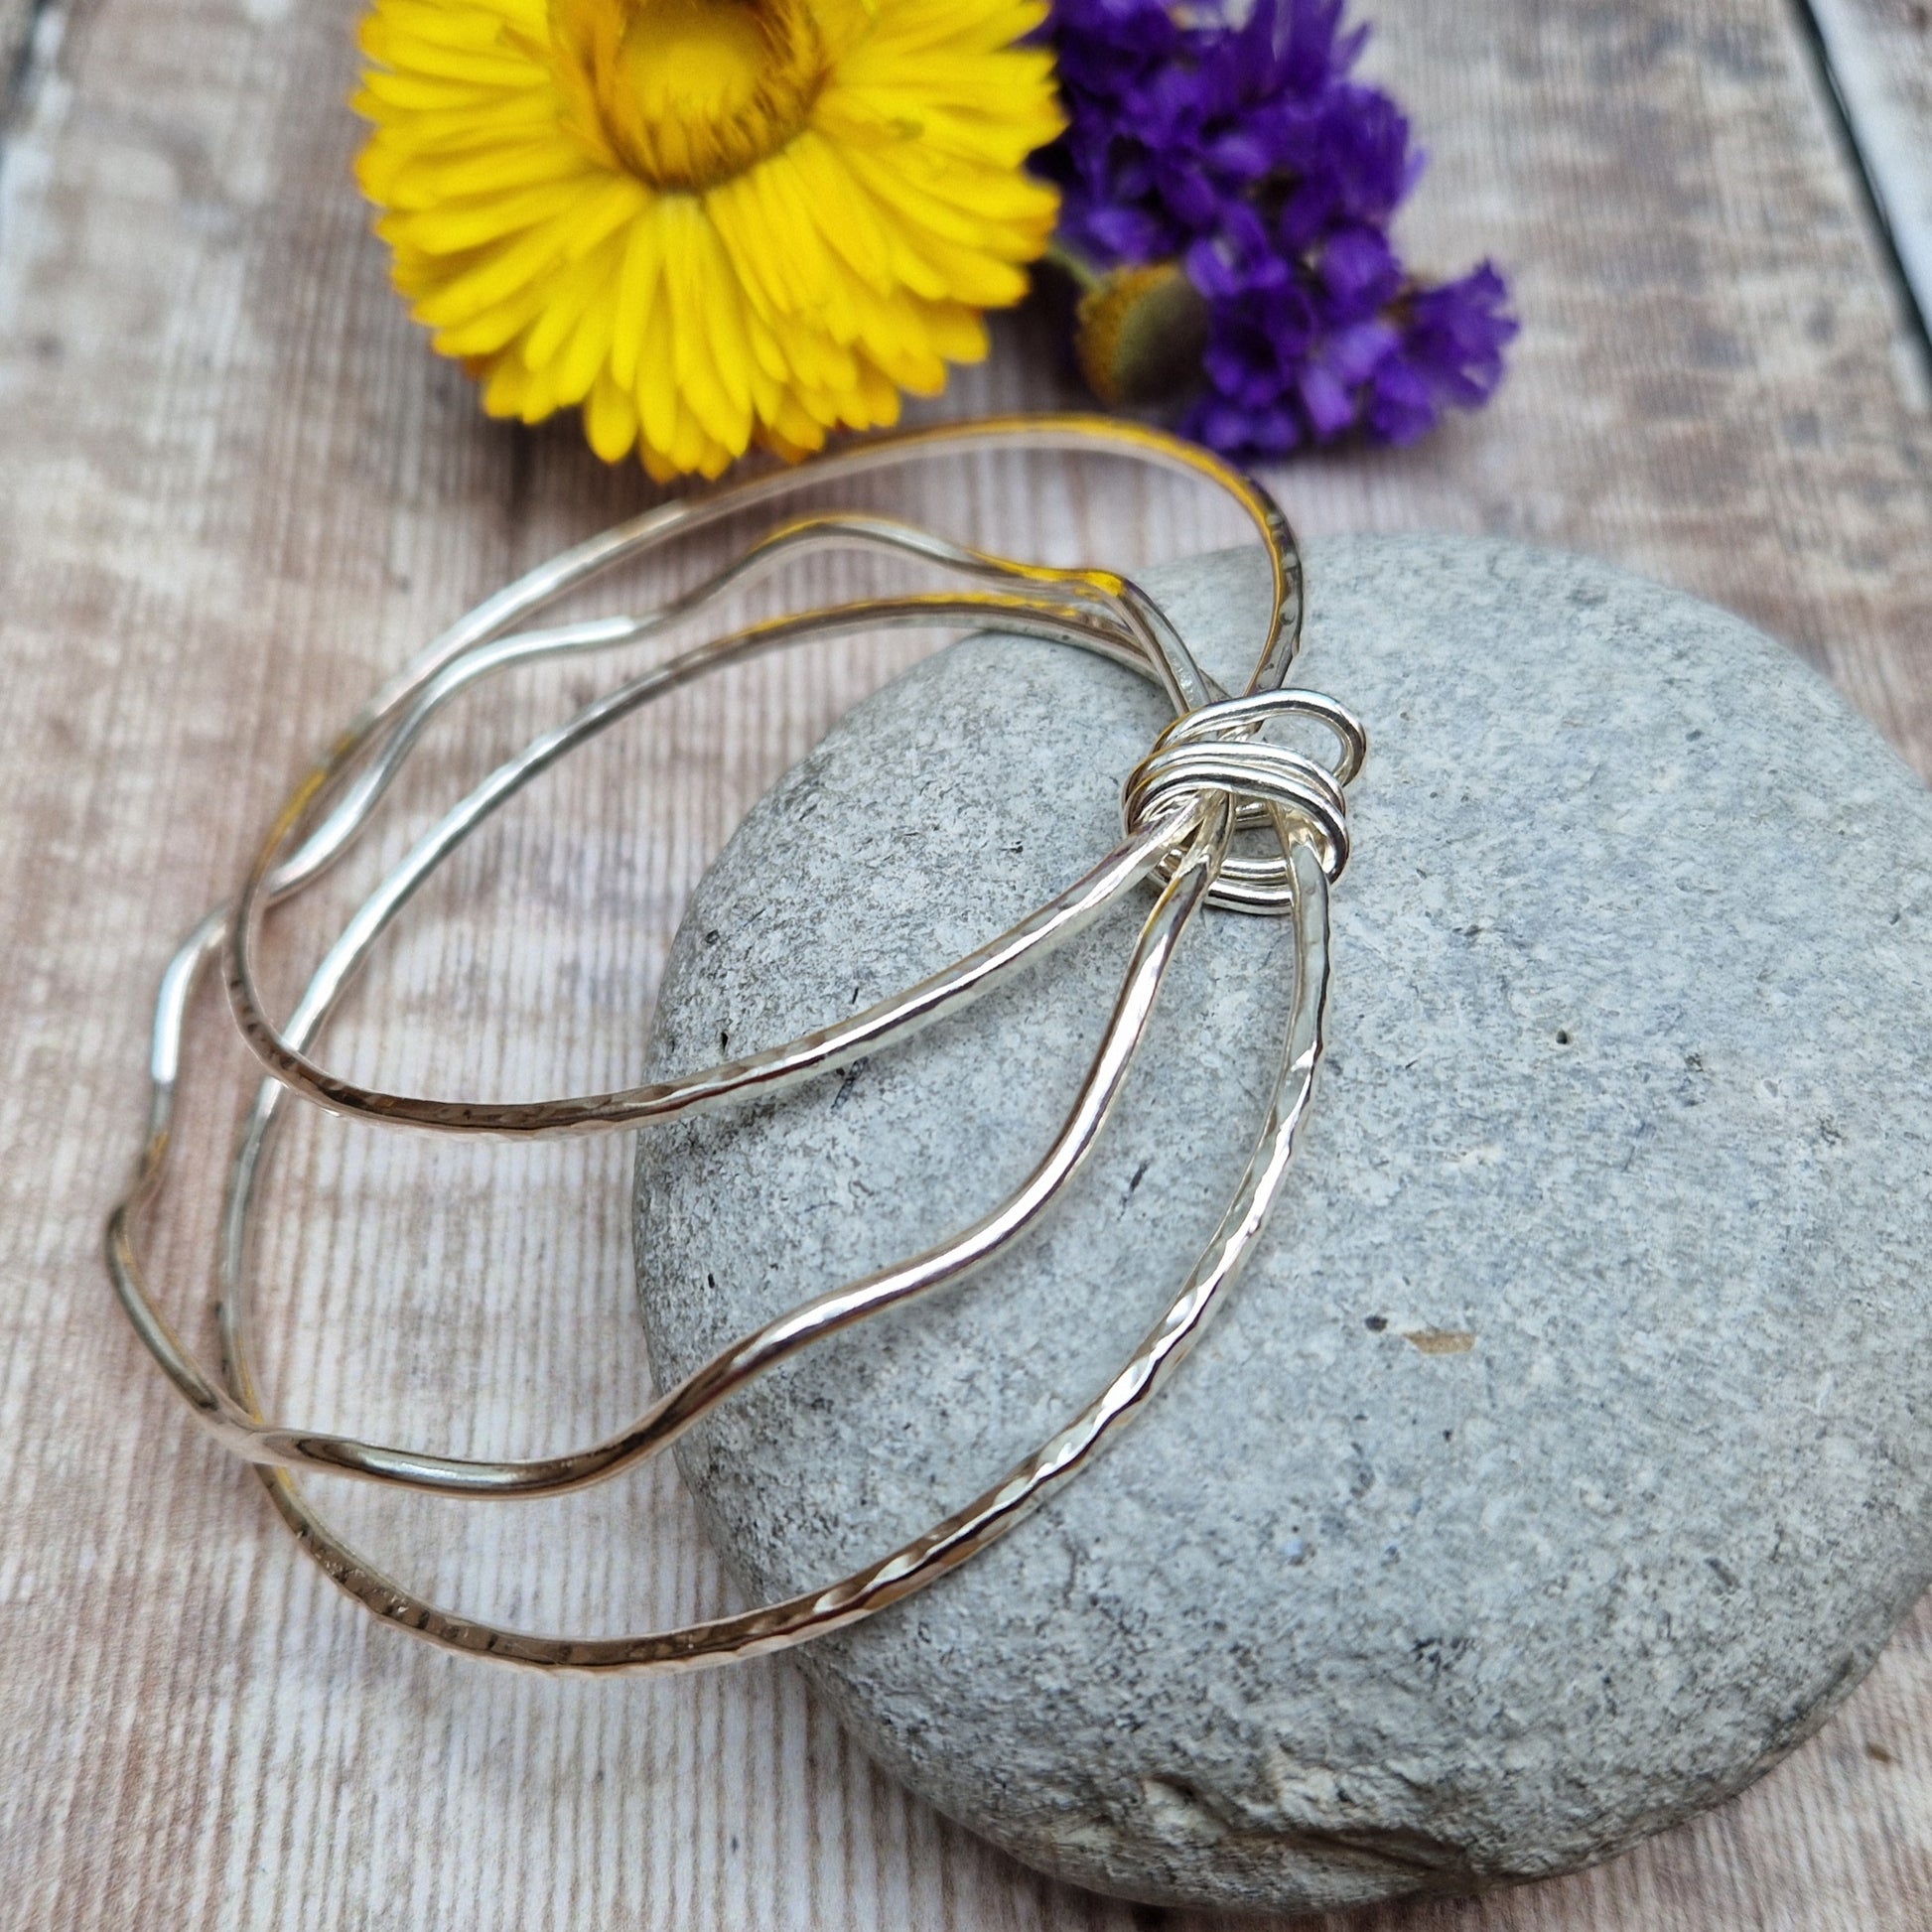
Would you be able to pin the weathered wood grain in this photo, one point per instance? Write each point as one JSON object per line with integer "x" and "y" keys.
{"x": 233, "y": 489}
{"x": 16, "y": 27}
{"x": 1879, "y": 55}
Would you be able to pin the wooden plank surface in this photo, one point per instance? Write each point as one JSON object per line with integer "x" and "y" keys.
{"x": 15, "y": 28}
{"x": 234, "y": 490}
{"x": 1878, "y": 55}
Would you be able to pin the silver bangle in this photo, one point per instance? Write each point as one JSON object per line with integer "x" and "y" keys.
{"x": 1208, "y": 775}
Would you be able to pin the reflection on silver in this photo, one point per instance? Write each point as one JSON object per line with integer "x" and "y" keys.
{"x": 1209, "y": 773}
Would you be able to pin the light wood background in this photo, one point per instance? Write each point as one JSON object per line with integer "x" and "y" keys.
{"x": 234, "y": 488}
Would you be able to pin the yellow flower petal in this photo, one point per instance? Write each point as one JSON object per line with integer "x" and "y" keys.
{"x": 610, "y": 421}
{"x": 429, "y": 181}
{"x": 455, "y": 228}
{"x": 636, "y": 290}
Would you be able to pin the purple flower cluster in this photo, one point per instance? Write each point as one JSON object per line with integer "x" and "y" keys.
{"x": 1248, "y": 154}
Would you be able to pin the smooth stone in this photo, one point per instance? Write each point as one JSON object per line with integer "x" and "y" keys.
{"x": 1562, "y": 1456}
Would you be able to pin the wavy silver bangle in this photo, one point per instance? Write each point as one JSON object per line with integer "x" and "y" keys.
{"x": 1208, "y": 775}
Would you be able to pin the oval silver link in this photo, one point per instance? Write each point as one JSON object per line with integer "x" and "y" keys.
{"x": 1212, "y": 749}
{"x": 1266, "y": 775}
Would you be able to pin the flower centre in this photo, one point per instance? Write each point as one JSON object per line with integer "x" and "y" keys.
{"x": 686, "y": 93}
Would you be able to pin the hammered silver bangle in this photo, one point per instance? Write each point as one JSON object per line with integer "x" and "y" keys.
{"x": 1208, "y": 775}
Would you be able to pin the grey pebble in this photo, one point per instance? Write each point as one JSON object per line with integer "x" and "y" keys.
{"x": 1562, "y": 1456}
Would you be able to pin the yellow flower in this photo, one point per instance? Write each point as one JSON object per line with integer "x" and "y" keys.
{"x": 706, "y": 223}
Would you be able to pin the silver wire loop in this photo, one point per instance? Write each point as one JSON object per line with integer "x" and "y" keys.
{"x": 1208, "y": 748}
{"x": 1206, "y": 774}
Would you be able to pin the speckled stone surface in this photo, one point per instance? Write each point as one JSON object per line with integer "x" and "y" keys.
{"x": 1562, "y": 1456}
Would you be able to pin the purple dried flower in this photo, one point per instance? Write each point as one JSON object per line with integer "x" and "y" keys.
{"x": 1451, "y": 353}
{"x": 1247, "y": 154}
